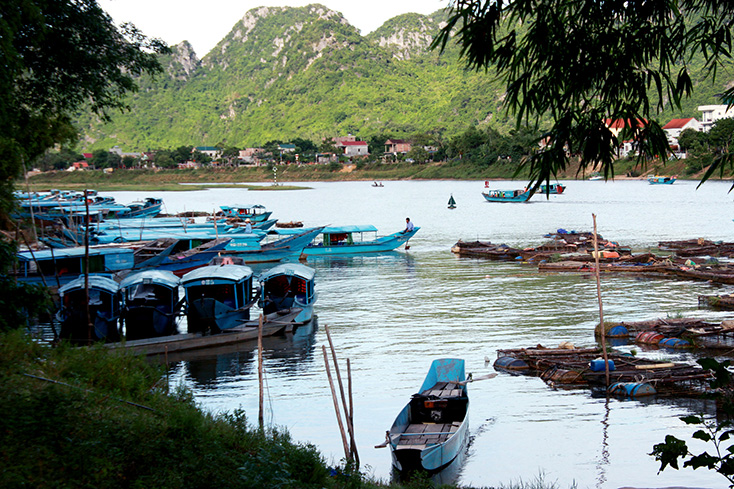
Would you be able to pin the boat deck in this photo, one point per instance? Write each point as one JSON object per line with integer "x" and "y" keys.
{"x": 421, "y": 435}
{"x": 424, "y": 434}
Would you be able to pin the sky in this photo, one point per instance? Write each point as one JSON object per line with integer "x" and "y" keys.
{"x": 205, "y": 23}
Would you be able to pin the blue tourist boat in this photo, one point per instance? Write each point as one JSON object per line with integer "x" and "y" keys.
{"x": 346, "y": 240}
{"x": 507, "y": 195}
{"x": 553, "y": 188}
{"x": 660, "y": 180}
{"x": 290, "y": 246}
{"x": 219, "y": 297}
{"x": 287, "y": 286}
{"x": 431, "y": 430}
{"x": 104, "y": 310}
{"x": 60, "y": 266}
{"x": 255, "y": 213}
{"x": 150, "y": 304}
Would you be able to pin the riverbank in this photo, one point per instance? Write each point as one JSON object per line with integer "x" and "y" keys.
{"x": 171, "y": 180}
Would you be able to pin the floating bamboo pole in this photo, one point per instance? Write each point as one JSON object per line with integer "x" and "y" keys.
{"x": 347, "y": 454}
{"x": 347, "y": 409}
{"x": 260, "y": 415}
{"x": 598, "y": 294}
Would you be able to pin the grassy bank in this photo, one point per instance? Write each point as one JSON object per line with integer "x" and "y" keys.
{"x": 91, "y": 417}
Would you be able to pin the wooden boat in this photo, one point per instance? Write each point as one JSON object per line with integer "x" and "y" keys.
{"x": 661, "y": 180}
{"x": 553, "y": 188}
{"x": 452, "y": 202}
{"x": 431, "y": 430}
{"x": 507, "y": 195}
{"x": 255, "y": 213}
{"x": 150, "y": 304}
{"x": 104, "y": 310}
{"x": 288, "y": 286}
{"x": 219, "y": 297}
{"x": 60, "y": 266}
{"x": 347, "y": 240}
{"x": 290, "y": 246}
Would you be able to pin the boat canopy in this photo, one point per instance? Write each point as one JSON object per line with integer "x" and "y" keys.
{"x": 76, "y": 252}
{"x": 100, "y": 282}
{"x": 157, "y": 277}
{"x": 358, "y": 228}
{"x": 227, "y": 273}
{"x": 290, "y": 269}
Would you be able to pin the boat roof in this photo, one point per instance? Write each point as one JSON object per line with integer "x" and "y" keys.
{"x": 95, "y": 281}
{"x": 158, "y": 277}
{"x": 234, "y": 273}
{"x": 237, "y": 206}
{"x": 357, "y": 228}
{"x": 291, "y": 269}
{"x": 75, "y": 252}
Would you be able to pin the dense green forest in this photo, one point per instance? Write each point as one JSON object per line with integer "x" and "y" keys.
{"x": 284, "y": 73}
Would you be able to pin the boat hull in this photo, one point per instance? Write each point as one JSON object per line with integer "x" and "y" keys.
{"x": 379, "y": 245}
{"x": 506, "y": 196}
{"x": 431, "y": 430}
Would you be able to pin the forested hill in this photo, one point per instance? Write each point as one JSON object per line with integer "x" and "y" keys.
{"x": 285, "y": 72}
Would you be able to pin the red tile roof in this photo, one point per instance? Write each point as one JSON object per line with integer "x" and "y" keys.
{"x": 677, "y": 123}
{"x": 353, "y": 143}
{"x": 620, "y": 123}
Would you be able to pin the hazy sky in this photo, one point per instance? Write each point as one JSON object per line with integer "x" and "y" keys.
{"x": 205, "y": 23}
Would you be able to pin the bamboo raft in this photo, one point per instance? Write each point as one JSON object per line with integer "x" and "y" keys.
{"x": 572, "y": 368}
{"x": 699, "y": 333}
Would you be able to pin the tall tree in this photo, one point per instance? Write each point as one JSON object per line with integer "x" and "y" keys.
{"x": 581, "y": 63}
{"x": 59, "y": 57}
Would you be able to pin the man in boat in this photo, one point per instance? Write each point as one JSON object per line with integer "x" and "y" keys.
{"x": 248, "y": 226}
{"x": 408, "y": 225}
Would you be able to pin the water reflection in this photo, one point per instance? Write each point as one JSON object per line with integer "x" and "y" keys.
{"x": 287, "y": 353}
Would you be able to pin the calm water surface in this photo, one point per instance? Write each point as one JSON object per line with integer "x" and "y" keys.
{"x": 392, "y": 314}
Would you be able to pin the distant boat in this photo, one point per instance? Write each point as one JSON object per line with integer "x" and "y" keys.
{"x": 432, "y": 428}
{"x": 594, "y": 178}
{"x": 347, "y": 240}
{"x": 553, "y": 188}
{"x": 452, "y": 202}
{"x": 377, "y": 184}
{"x": 507, "y": 195}
{"x": 255, "y": 213}
{"x": 660, "y": 180}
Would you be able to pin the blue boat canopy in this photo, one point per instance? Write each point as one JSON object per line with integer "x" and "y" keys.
{"x": 75, "y": 252}
{"x": 95, "y": 281}
{"x": 157, "y": 277}
{"x": 358, "y": 228}
{"x": 289, "y": 269}
{"x": 229, "y": 273}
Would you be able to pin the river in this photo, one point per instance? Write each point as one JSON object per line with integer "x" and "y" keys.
{"x": 392, "y": 314}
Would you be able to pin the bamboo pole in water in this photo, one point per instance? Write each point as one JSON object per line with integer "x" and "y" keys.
{"x": 260, "y": 415}
{"x": 347, "y": 410}
{"x": 347, "y": 454}
{"x": 351, "y": 409}
{"x": 601, "y": 309}
{"x": 86, "y": 268}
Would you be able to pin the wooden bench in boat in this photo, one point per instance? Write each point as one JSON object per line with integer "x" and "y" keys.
{"x": 444, "y": 389}
{"x": 421, "y": 435}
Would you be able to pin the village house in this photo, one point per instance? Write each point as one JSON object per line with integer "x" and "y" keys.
{"x": 78, "y": 165}
{"x": 675, "y": 127}
{"x": 354, "y": 148}
{"x": 397, "y": 146}
{"x": 712, "y": 113}
{"x": 211, "y": 151}
{"x": 249, "y": 155}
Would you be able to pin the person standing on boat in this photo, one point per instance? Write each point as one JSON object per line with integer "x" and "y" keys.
{"x": 248, "y": 226}
{"x": 408, "y": 225}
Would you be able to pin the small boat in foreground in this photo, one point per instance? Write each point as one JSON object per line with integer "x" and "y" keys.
{"x": 432, "y": 428}
{"x": 660, "y": 180}
{"x": 521, "y": 195}
{"x": 288, "y": 286}
{"x": 104, "y": 310}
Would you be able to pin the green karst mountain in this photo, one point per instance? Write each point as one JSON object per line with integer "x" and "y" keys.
{"x": 305, "y": 72}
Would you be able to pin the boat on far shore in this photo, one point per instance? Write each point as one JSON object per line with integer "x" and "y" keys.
{"x": 553, "y": 188}
{"x": 661, "y": 180}
{"x": 520, "y": 195}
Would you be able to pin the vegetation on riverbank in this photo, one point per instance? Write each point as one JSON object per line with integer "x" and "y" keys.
{"x": 197, "y": 179}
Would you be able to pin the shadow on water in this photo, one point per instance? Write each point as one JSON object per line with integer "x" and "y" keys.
{"x": 288, "y": 352}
